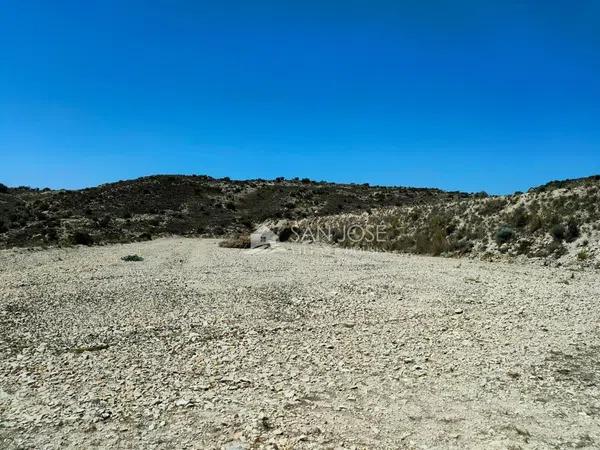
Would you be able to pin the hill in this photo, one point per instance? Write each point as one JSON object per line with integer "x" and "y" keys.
{"x": 152, "y": 206}
{"x": 559, "y": 221}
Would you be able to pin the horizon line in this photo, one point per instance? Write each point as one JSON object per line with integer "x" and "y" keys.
{"x": 297, "y": 179}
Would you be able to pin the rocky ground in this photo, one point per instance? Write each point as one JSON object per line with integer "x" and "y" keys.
{"x": 198, "y": 346}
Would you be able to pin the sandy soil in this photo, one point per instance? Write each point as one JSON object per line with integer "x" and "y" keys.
{"x": 203, "y": 347}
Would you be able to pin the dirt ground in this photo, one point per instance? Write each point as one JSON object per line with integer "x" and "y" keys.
{"x": 198, "y": 346}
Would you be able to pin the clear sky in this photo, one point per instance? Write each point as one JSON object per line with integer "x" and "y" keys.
{"x": 463, "y": 95}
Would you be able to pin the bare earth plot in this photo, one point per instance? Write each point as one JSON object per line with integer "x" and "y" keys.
{"x": 203, "y": 347}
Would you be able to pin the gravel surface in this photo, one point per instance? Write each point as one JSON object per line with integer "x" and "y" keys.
{"x": 198, "y": 346}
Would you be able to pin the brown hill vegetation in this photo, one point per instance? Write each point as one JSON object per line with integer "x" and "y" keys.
{"x": 182, "y": 205}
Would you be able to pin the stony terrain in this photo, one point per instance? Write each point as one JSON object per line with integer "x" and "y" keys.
{"x": 198, "y": 346}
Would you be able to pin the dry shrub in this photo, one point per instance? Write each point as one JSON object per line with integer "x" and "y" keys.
{"x": 81, "y": 238}
{"x": 242, "y": 241}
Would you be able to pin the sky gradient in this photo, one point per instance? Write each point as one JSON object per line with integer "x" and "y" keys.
{"x": 460, "y": 95}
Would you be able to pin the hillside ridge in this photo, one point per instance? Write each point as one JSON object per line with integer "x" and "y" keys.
{"x": 556, "y": 221}
{"x": 156, "y": 205}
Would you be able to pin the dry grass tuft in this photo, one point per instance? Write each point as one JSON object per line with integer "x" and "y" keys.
{"x": 242, "y": 241}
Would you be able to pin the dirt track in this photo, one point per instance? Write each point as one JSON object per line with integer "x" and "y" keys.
{"x": 299, "y": 347}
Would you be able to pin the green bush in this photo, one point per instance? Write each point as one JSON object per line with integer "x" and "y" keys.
{"x": 438, "y": 243}
{"x": 583, "y": 255}
{"x": 432, "y": 240}
{"x": 492, "y": 206}
{"x": 572, "y": 230}
{"x": 52, "y": 234}
{"x": 81, "y": 238}
{"x": 558, "y": 232}
{"x": 535, "y": 223}
{"x": 519, "y": 217}
{"x": 104, "y": 221}
{"x": 557, "y": 249}
{"x": 551, "y": 219}
{"x": 3, "y": 189}
{"x": 524, "y": 247}
{"x": 422, "y": 243}
{"x": 131, "y": 258}
{"x": 504, "y": 235}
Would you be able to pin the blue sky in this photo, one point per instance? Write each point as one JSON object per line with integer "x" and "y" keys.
{"x": 461, "y": 95}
